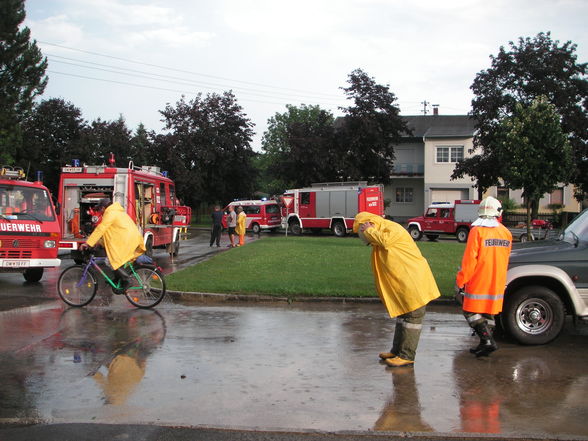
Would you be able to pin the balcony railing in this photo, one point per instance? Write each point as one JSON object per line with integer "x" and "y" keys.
{"x": 403, "y": 169}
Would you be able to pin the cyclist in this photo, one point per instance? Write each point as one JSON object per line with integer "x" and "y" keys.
{"x": 120, "y": 237}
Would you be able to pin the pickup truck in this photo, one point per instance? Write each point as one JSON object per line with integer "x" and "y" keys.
{"x": 546, "y": 281}
{"x": 445, "y": 218}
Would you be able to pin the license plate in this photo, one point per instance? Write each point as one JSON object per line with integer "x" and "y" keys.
{"x": 15, "y": 263}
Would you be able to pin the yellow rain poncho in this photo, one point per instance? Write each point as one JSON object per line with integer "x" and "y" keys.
{"x": 120, "y": 236}
{"x": 241, "y": 221}
{"x": 403, "y": 278}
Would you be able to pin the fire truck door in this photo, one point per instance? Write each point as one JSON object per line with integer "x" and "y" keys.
{"x": 305, "y": 207}
{"x": 121, "y": 181}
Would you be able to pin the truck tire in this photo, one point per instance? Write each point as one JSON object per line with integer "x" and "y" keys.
{"x": 462, "y": 235}
{"x": 415, "y": 233}
{"x": 33, "y": 274}
{"x": 256, "y": 228}
{"x": 432, "y": 237}
{"x": 339, "y": 229}
{"x": 533, "y": 315}
{"x": 295, "y": 228}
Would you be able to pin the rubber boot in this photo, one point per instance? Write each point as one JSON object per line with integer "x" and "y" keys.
{"x": 487, "y": 344}
{"x": 123, "y": 276}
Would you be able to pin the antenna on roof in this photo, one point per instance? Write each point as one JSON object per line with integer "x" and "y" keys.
{"x": 425, "y": 104}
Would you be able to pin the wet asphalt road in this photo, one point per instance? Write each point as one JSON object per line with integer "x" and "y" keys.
{"x": 273, "y": 366}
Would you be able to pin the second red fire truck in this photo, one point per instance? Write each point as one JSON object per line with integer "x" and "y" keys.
{"x": 330, "y": 206}
{"x": 146, "y": 193}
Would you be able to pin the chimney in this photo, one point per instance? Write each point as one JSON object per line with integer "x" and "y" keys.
{"x": 435, "y": 109}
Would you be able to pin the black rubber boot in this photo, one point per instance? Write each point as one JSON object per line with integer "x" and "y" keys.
{"x": 487, "y": 344}
{"x": 123, "y": 276}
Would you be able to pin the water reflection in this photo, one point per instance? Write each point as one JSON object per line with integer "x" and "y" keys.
{"x": 403, "y": 411}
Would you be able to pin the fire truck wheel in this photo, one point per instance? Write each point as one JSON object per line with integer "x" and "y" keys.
{"x": 33, "y": 274}
{"x": 415, "y": 233}
{"x": 339, "y": 229}
{"x": 149, "y": 247}
{"x": 256, "y": 228}
{"x": 462, "y": 235}
{"x": 295, "y": 228}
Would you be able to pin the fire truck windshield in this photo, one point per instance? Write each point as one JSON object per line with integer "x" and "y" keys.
{"x": 22, "y": 202}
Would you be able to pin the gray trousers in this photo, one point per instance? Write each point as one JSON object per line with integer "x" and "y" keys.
{"x": 474, "y": 319}
{"x": 408, "y": 333}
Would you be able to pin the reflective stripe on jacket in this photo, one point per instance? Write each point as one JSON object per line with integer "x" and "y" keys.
{"x": 483, "y": 269}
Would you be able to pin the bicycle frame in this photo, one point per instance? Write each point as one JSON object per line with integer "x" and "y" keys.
{"x": 95, "y": 262}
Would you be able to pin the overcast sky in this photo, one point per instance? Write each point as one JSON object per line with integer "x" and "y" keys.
{"x": 112, "y": 57}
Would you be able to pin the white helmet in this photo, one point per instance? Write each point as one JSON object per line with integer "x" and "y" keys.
{"x": 490, "y": 207}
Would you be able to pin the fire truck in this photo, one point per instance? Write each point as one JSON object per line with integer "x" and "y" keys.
{"x": 146, "y": 193}
{"x": 29, "y": 231}
{"x": 331, "y": 205}
{"x": 453, "y": 218}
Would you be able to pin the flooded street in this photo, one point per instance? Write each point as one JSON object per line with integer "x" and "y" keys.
{"x": 265, "y": 366}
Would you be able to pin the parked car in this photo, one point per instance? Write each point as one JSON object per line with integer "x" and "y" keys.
{"x": 261, "y": 214}
{"x": 546, "y": 281}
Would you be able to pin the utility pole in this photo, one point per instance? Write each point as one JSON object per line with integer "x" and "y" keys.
{"x": 425, "y": 104}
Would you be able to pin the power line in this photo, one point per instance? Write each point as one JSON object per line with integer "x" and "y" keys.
{"x": 185, "y": 71}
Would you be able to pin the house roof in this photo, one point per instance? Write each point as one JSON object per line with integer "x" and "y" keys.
{"x": 441, "y": 126}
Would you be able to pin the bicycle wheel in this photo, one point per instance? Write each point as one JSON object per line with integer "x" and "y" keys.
{"x": 147, "y": 289}
{"x": 74, "y": 290}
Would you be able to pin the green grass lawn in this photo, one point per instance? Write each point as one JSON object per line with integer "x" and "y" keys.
{"x": 297, "y": 266}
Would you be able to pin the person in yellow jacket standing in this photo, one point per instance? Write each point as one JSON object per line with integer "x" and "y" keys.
{"x": 241, "y": 228}
{"x": 482, "y": 277}
{"x": 120, "y": 237}
{"x": 403, "y": 279}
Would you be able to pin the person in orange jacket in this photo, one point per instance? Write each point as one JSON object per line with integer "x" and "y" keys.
{"x": 482, "y": 277}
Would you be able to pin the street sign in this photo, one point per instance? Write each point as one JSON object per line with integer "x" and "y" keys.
{"x": 288, "y": 200}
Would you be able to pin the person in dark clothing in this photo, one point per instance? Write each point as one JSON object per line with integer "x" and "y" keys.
{"x": 217, "y": 226}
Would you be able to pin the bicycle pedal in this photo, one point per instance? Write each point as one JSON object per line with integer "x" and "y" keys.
{"x": 118, "y": 291}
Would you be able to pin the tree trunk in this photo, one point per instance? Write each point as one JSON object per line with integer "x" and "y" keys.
{"x": 529, "y": 204}
{"x": 534, "y": 209}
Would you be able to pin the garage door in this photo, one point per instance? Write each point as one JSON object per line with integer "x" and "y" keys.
{"x": 446, "y": 195}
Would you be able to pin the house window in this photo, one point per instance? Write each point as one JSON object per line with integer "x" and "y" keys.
{"x": 448, "y": 154}
{"x": 404, "y": 195}
{"x": 502, "y": 193}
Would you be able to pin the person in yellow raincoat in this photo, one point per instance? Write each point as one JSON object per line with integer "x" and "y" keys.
{"x": 120, "y": 237}
{"x": 241, "y": 228}
{"x": 403, "y": 279}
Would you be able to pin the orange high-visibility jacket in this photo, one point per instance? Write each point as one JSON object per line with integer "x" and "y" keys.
{"x": 483, "y": 269}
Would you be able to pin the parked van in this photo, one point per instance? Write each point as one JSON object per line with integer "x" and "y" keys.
{"x": 261, "y": 215}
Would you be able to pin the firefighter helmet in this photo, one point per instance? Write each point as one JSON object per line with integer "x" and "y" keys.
{"x": 490, "y": 207}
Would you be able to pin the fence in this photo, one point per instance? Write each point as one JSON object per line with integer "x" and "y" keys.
{"x": 558, "y": 220}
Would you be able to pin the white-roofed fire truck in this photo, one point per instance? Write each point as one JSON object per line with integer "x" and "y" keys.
{"x": 146, "y": 193}
{"x": 331, "y": 205}
{"x": 29, "y": 231}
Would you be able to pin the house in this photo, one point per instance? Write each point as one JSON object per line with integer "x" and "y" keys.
{"x": 426, "y": 159}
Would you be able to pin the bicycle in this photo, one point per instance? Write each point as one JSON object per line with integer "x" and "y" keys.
{"x": 78, "y": 284}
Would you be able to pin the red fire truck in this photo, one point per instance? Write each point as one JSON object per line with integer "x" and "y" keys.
{"x": 29, "y": 231}
{"x": 331, "y": 205}
{"x": 146, "y": 193}
{"x": 445, "y": 218}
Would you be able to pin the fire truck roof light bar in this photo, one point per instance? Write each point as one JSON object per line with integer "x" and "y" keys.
{"x": 12, "y": 172}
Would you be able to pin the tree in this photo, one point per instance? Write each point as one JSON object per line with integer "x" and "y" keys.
{"x": 22, "y": 76}
{"x": 369, "y": 130}
{"x": 535, "y": 150}
{"x": 527, "y": 70}
{"x": 209, "y": 148}
{"x": 142, "y": 147}
{"x": 300, "y": 148}
{"x": 105, "y": 137}
{"x": 52, "y": 138}
{"x": 481, "y": 168}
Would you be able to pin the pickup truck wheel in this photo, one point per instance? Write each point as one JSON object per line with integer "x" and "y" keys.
{"x": 462, "y": 235}
{"x": 432, "y": 237}
{"x": 33, "y": 274}
{"x": 415, "y": 233}
{"x": 339, "y": 229}
{"x": 533, "y": 315}
{"x": 256, "y": 228}
{"x": 295, "y": 228}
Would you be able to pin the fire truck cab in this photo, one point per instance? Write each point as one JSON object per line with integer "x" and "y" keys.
{"x": 29, "y": 231}
{"x": 330, "y": 206}
{"x": 147, "y": 195}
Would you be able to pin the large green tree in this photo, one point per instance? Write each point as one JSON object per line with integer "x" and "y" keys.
{"x": 105, "y": 137}
{"x": 535, "y": 150}
{"x": 52, "y": 136}
{"x": 22, "y": 76}
{"x": 208, "y": 148}
{"x": 299, "y": 149}
{"x": 526, "y": 70}
{"x": 369, "y": 130}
